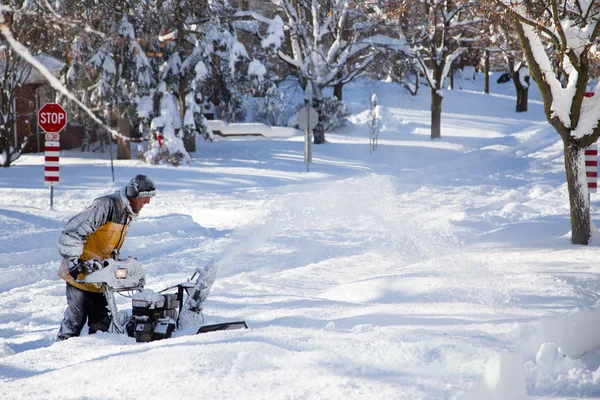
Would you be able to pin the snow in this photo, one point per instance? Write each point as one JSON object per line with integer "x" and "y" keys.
{"x": 144, "y": 107}
{"x": 237, "y": 50}
{"x": 275, "y": 35}
{"x": 257, "y": 69}
{"x": 201, "y": 71}
{"x": 424, "y": 270}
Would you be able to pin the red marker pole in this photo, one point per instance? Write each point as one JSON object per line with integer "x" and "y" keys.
{"x": 51, "y": 167}
{"x": 591, "y": 169}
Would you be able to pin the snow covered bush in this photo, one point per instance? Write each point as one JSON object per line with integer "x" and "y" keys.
{"x": 334, "y": 113}
{"x": 193, "y": 121}
{"x": 270, "y": 109}
{"x": 270, "y": 101}
{"x": 231, "y": 106}
{"x": 165, "y": 144}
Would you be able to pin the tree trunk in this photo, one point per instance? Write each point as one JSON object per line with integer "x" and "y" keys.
{"x": 5, "y": 148}
{"x": 123, "y": 149}
{"x": 189, "y": 137}
{"x": 436, "y": 114}
{"x": 337, "y": 90}
{"x": 183, "y": 46}
{"x": 319, "y": 131}
{"x": 486, "y": 73}
{"x": 451, "y": 77}
{"x": 417, "y": 84}
{"x": 578, "y": 194}
{"x": 436, "y": 101}
{"x": 123, "y": 145}
{"x": 522, "y": 97}
{"x": 522, "y": 91}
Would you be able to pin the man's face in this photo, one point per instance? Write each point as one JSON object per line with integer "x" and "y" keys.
{"x": 138, "y": 203}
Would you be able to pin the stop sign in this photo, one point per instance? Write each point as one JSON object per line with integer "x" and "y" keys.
{"x": 52, "y": 118}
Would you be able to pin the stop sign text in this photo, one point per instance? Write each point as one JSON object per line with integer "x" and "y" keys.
{"x": 52, "y": 118}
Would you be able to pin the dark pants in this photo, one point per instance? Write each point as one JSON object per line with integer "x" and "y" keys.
{"x": 82, "y": 306}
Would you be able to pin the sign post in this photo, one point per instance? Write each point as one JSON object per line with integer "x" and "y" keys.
{"x": 308, "y": 118}
{"x": 52, "y": 118}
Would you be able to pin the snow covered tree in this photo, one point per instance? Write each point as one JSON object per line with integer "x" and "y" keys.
{"x": 325, "y": 43}
{"x": 560, "y": 40}
{"x": 271, "y": 107}
{"x": 14, "y": 72}
{"x": 200, "y": 56}
{"x": 270, "y": 104}
{"x": 108, "y": 70}
{"x": 182, "y": 42}
{"x": 122, "y": 73}
{"x": 78, "y": 78}
{"x": 434, "y": 30}
{"x": 165, "y": 143}
{"x": 520, "y": 76}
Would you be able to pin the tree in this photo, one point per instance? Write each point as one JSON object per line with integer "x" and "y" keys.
{"x": 325, "y": 44}
{"x": 201, "y": 56}
{"x": 501, "y": 35}
{"x": 520, "y": 76}
{"x": 14, "y": 72}
{"x": 434, "y": 29}
{"x": 47, "y": 26}
{"x": 107, "y": 68}
{"x": 123, "y": 75}
{"x": 560, "y": 39}
{"x": 182, "y": 26}
{"x": 165, "y": 145}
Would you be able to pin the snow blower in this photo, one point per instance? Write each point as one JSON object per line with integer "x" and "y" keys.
{"x": 155, "y": 316}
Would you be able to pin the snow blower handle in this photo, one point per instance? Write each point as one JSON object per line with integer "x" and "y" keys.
{"x": 78, "y": 266}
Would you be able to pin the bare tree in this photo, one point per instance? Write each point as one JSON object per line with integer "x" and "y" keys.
{"x": 14, "y": 72}
{"x": 434, "y": 29}
{"x": 500, "y": 35}
{"x": 560, "y": 40}
{"x": 325, "y": 43}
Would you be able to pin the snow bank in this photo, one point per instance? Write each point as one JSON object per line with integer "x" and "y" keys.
{"x": 504, "y": 379}
{"x": 575, "y": 332}
{"x": 550, "y": 345}
{"x": 555, "y": 372}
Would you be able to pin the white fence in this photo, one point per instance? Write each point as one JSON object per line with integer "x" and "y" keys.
{"x": 224, "y": 129}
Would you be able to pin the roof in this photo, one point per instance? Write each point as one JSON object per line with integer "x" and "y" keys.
{"x": 54, "y": 65}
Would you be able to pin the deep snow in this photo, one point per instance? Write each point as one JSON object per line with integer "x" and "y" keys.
{"x": 424, "y": 270}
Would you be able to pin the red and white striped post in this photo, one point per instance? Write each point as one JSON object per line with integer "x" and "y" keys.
{"x": 591, "y": 167}
{"x": 51, "y": 165}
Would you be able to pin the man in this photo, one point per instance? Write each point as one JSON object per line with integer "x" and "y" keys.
{"x": 95, "y": 234}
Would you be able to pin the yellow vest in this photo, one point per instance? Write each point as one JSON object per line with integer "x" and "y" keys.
{"x": 99, "y": 245}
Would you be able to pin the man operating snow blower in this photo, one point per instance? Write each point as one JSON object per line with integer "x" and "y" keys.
{"x": 96, "y": 234}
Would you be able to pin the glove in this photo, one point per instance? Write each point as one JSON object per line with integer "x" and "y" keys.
{"x": 78, "y": 266}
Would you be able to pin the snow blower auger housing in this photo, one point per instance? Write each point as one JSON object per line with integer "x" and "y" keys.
{"x": 155, "y": 316}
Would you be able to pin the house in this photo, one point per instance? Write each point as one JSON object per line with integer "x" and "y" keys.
{"x": 29, "y": 98}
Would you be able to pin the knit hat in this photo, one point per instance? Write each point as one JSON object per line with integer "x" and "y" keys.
{"x": 140, "y": 186}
